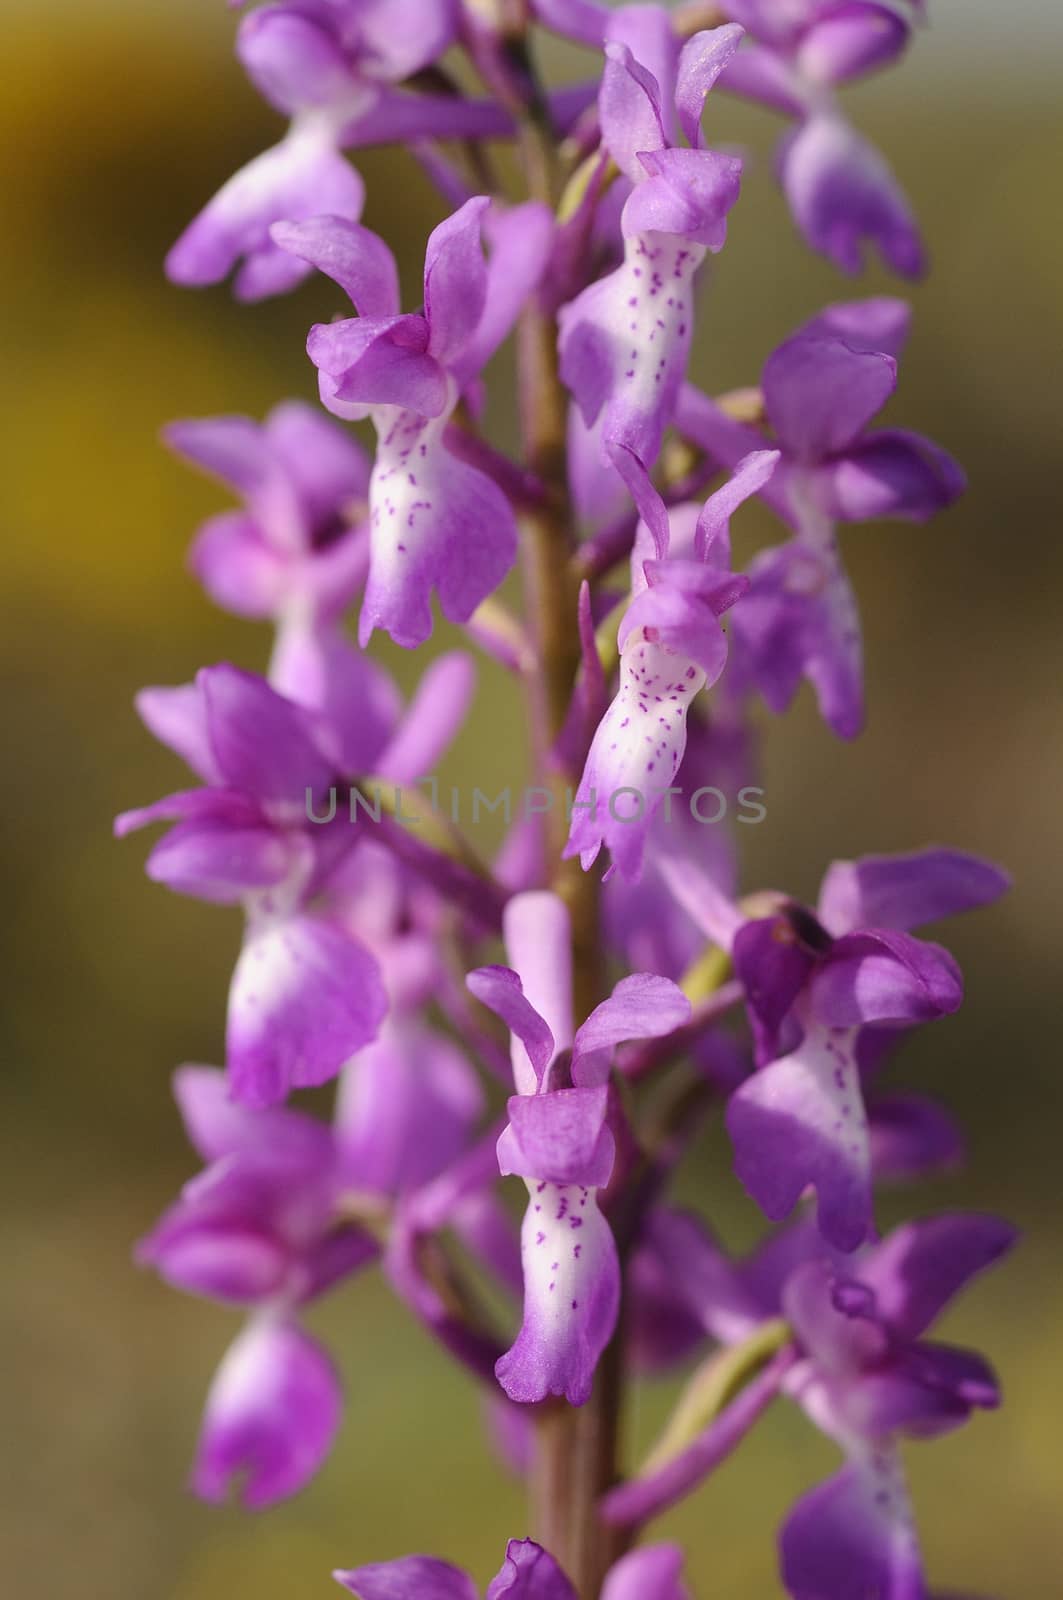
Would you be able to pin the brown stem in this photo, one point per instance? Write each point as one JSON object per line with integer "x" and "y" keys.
{"x": 576, "y": 1449}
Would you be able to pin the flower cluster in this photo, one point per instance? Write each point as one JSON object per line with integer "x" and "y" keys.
{"x": 609, "y": 1004}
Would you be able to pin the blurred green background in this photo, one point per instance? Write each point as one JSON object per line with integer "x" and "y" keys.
{"x": 116, "y": 122}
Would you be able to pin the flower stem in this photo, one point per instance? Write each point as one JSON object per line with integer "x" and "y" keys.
{"x": 576, "y": 1449}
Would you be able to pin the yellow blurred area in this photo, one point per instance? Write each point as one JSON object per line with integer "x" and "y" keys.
{"x": 116, "y": 123}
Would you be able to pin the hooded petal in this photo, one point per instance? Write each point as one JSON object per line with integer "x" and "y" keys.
{"x": 851, "y": 40}
{"x": 820, "y": 393}
{"x": 881, "y": 976}
{"x": 410, "y": 1578}
{"x": 271, "y": 1416}
{"x": 292, "y": 59}
{"x": 841, "y": 192}
{"x": 378, "y": 361}
{"x": 853, "y": 1536}
{"x": 800, "y": 1122}
{"x": 571, "y": 1296}
{"x": 904, "y": 891}
{"x": 688, "y": 193}
{"x": 304, "y": 997}
{"x": 529, "y": 1573}
{"x": 560, "y": 1135}
{"x": 303, "y": 176}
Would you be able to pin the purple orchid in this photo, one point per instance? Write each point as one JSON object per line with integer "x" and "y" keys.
{"x": 436, "y": 522}
{"x": 862, "y": 1371}
{"x": 528, "y": 1573}
{"x": 624, "y": 342}
{"x": 840, "y": 189}
{"x": 559, "y": 1140}
{"x": 259, "y": 1228}
{"x": 366, "y": 930}
{"x": 306, "y": 992}
{"x": 817, "y": 984}
{"x": 671, "y": 646}
{"x": 330, "y": 66}
{"x": 822, "y": 388}
{"x": 295, "y": 547}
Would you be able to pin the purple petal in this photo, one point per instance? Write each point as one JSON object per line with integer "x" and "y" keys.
{"x": 411, "y": 1578}
{"x": 641, "y": 1006}
{"x": 501, "y": 991}
{"x": 301, "y": 177}
{"x": 234, "y": 449}
{"x": 520, "y": 240}
{"x": 218, "y": 1126}
{"x": 800, "y": 1122}
{"x": 379, "y": 361}
{"x": 821, "y": 394}
{"x": 904, "y": 891}
{"x": 271, "y": 1416}
{"x": 357, "y": 704}
{"x": 918, "y": 1269}
{"x": 912, "y": 1136}
{"x": 178, "y": 719}
{"x": 261, "y": 743}
{"x": 292, "y": 62}
{"x": 327, "y": 465}
{"x": 885, "y": 977}
{"x": 304, "y": 998}
{"x": 388, "y": 49}
{"x": 406, "y": 1106}
{"x": 635, "y": 755}
{"x": 714, "y": 521}
{"x": 853, "y": 1536}
{"x": 702, "y": 1276}
{"x": 239, "y": 570}
{"x": 774, "y": 964}
{"x": 629, "y": 110}
{"x": 455, "y": 280}
{"x": 529, "y": 1573}
{"x": 891, "y": 473}
{"x": 571, "y": 1297}
{"x": 841, "y": 192}
{"x": 352, "y": 256}
{"x": 561, "y": 1136}
{"x": 880, "y": 322}
{"x": 437, "y": 524}
{"x": 688, "y": 193}
{"x": 431, "y": 720}
{"x": 214, "y": 859}
{"x": 852, "y": 39}
{"x": 703, "y": 58}
{"x": 840, "y": 1340}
